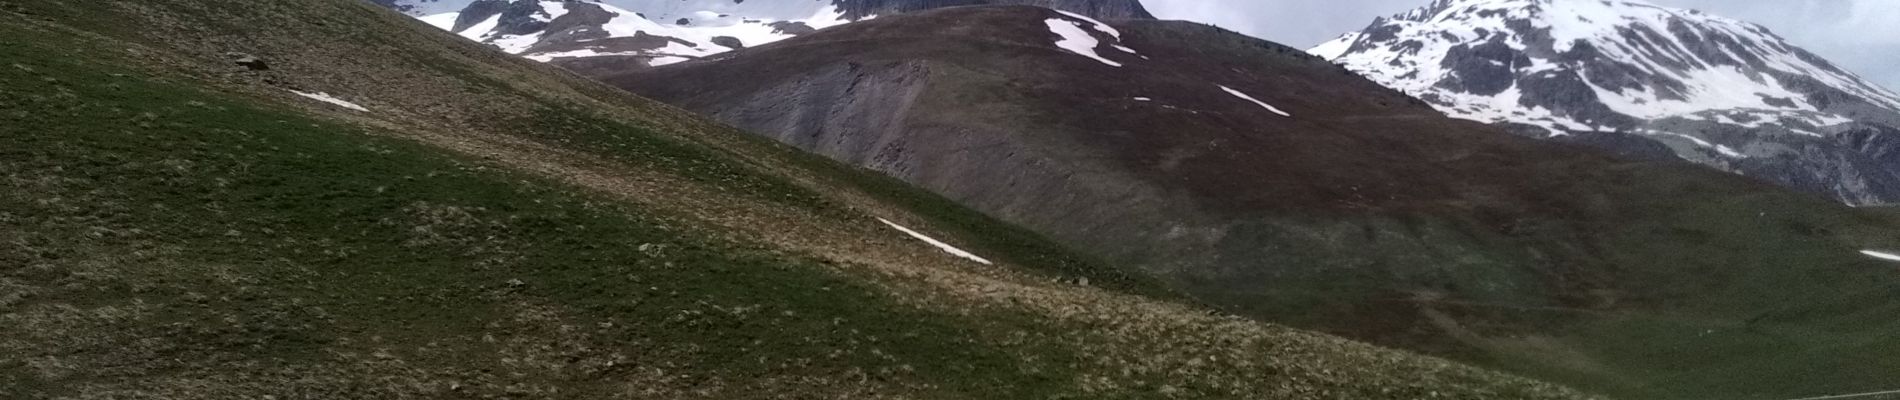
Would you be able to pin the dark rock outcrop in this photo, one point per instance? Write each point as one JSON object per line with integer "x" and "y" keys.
{"x": 248, "y": 61}
{"x": 522, "y": 17}
{"x": 728, "y": 41}
{"x": 791, "y": 27}
{"x": 581, "y": 23}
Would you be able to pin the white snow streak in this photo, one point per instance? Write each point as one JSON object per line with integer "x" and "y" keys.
{"x": 325, "y": 97}
{"x": 1129, "y": 50}
{"x": 946, "y": 247}
{"x": 1881, "y": 255}
{"x": 1262, "y": 104}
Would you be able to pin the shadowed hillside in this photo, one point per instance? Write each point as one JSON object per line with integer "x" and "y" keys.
{"x": 1271, "y": 183}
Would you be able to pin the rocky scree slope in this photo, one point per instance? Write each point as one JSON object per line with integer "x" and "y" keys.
{"x": 588, "y": 33}
{"x": 1643, "y": 80}
{"x": 354, "y": 205}
{"x": 1272, "y": 183}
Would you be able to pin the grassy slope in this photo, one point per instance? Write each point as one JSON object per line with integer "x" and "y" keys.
{"x": 174, "y": 228}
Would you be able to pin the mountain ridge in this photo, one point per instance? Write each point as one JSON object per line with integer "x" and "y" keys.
{"x": 1628, "y": 74}
{"x": 1274, "y": 184}
{"x": 660, "y": 32}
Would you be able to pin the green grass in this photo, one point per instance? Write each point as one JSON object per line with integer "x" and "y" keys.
{"x": 411, "y": 245}
{"x": 601, "y": 135}
{"x": 1777, "y": 304}
{"x": 989, "y": 236}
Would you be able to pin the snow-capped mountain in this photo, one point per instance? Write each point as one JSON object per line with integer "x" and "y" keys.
{"x": 660, "y": 32}
{"x": 1630, "y": 75}
{"x": 654, "y": 32}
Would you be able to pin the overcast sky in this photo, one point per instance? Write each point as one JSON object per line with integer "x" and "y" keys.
{"x": 1861, "y": 35}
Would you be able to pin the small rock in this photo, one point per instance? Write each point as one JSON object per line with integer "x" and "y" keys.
{"x": 248, "y": 61}
{"x": 728, "y": 41}
{"x": 793, "y": 28}
{"x": 516, "y": 283}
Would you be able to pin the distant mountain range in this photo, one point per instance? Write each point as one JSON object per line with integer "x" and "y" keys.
{"x": 660, "y": 32}
{"x": 1643, "y": 80}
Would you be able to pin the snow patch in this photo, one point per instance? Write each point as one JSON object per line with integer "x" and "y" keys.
{"x": 582, "y": 53}
{"x": 1244, "y": 96}
{"x": 1337, "y": 47}
{"x": 481, "y": 30}
{"x": 1076, "y": 40}
{"x": 666, "y": 60}
{"x": 1881, "y": 255}
{"x": 443, "y": 21}
{"x": 327, "y": 98}
{"x": 1098, "y": 25}
{"x": 554, "y": 9}
{"x": 1724, "y": 150}
{"x": 946, "y": 247}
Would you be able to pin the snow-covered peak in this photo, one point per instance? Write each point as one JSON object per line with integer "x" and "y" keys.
{"x": 1638, "y": 60}
{"x": 654, "y": 32}
{"x": 1715, "y": 90}
{"x": 657, "y": 32}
